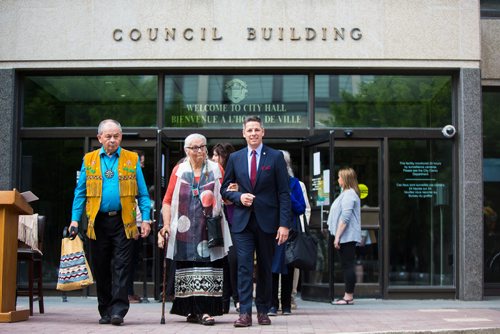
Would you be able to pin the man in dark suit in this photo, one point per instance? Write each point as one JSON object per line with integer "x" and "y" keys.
{"x": 261, "y": 216}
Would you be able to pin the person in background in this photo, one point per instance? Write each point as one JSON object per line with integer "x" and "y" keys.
{"x": 193, "y": 193}
{"x": 307, "y": 214}
{"x": 136, "y": 248}
{"x": 110, "y": 181}
{"x": 220, "y": 154}
{"x": 279, "y": 268}
{"x": 344, "y": 222}
{"x": 261, "y": 216}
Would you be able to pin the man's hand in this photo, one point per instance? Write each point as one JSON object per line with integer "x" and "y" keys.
{"x": 73, "y": 230}
{"x": 247, "y": 199}
{"x": 282, "y": 235}
{"x": 145, "y": 229}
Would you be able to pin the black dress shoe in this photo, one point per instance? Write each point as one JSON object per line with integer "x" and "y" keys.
{"x": 105, "y": 320}
{"x": 116, "y": 319}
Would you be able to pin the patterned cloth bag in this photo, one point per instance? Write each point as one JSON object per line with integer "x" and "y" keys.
{"x": 74, "y": 270}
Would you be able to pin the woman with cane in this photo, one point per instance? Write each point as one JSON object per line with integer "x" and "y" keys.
{"x": 192, "y": 198}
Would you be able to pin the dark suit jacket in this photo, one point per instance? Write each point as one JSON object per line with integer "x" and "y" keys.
{"x": 272, "y": 193}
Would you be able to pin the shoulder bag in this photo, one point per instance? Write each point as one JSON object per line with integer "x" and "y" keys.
{"x": 301, "y": 249}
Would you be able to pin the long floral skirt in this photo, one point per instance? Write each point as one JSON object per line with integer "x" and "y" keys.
{"x": 198, "y": 288}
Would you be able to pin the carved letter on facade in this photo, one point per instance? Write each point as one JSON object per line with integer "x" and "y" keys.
{"x": 169, "y": 33}
{"x": 151, "y": 36}
{"x": 339, "y": 33}
{"x": 280, "y": 33}
{"x": 310, "y": 34}
{"x": 214, "y": 35}
{"x": 267, "y": 33}
{"x": 356, "y": 34}
{"x": 117, "y": 35}
{"x": 188, "y": 34}
{"x": 135, "y": 35}
{"x": 251, "y": 34}
{"x": 292, "y": 35}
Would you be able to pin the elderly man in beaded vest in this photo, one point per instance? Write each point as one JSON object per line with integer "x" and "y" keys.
{"x": 110, "y": 180}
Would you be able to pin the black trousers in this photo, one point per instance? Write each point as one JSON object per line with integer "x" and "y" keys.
{"x": 230, "y": 278}
{"x": 347, "y": 253}
{"x": 286, "y": 290}
{"x": 111, "y": 255}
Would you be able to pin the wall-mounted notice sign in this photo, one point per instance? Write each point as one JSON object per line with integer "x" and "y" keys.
{"x": 420, "y": 178}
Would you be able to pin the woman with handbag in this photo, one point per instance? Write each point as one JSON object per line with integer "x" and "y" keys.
{"x": 192, "y": 202}
{"x": 344, "y": 222}
{"x": 279, "y": 267}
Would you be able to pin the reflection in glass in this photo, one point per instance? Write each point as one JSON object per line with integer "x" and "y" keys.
{"x": 49, "y": 169}
{"x": 382, "y": 100}
{"x": 212, "y": 101}
{"x": 491, "y": 185}
{"x": 74, "y": 101}
{"x": 365, "y": 161}
{"x": 421, "y": 232}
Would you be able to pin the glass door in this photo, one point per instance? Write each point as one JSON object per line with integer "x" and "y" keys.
{"x": 326, "y": 156}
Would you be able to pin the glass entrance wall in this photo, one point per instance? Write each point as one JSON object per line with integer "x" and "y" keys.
{"x": 48, "y": 169}
{"x": 212, "y": 101}
{"x": 82, "y": 101}
{"x": 365, "y": 162}
{"x": 382, "y": 100}
{"x": 491, "y": 187}
{"x": 421, "y": 231}
{"x": 220, "y": 101}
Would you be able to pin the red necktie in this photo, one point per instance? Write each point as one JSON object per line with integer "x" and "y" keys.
{"x": 253, "y": 168}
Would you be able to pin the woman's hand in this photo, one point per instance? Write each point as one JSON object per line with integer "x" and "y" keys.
{"x": 336, "y": 243}
{"x": 163, "y": 235}
{"x": 233, "y": 187}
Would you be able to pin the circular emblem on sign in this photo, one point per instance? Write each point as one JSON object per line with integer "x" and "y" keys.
{"x": 236, "y": 90}
{"x": 363, "y": 190}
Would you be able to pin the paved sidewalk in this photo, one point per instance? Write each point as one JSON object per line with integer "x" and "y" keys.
{"x": 79, "y": 315}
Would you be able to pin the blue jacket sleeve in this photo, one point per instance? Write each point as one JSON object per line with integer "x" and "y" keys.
{"x": 296, "y": 197}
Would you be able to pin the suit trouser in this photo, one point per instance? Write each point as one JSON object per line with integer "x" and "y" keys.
{"x": 111, "y": 255}
{"x": 251, "y": 239}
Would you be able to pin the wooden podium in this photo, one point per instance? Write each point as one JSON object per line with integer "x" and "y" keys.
{"x": 12, "y": 204}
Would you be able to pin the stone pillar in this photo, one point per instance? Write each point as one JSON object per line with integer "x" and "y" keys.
{"x": 7, "y": 128}
{"x": 470, "y": 186}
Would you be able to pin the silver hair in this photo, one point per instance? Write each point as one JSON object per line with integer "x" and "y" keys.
{"x": 288, "y": 161}
{"x": 100, "y": 129}
{"x": 191, "y": 137}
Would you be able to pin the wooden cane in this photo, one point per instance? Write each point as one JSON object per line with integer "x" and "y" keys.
{"x": 164, "y": 293}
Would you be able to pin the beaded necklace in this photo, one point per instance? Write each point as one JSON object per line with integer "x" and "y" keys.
{"x": 109, "y": 171}
{"x": 195, "y": 187}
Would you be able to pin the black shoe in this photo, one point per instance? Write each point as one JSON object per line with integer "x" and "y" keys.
{"x": 116, "y": 319}
{"x": 105, "y": 320}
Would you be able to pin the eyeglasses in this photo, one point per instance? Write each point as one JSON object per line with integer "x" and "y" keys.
{"x": 197, "y": 148}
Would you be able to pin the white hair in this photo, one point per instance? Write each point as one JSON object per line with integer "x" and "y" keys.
{"x": 288, "y": 161}
{"x": 103, "y": 123}
{"x": 189, "y": 139}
